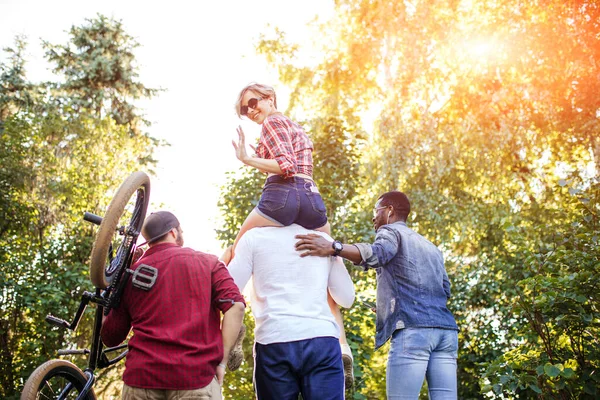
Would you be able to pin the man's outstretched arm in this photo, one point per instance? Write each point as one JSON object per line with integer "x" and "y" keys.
{"x": 316, "y": 245}
{"x": 374, "y": 255}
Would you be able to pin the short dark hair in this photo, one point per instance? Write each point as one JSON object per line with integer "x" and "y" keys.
{"x": 398, "y": 200}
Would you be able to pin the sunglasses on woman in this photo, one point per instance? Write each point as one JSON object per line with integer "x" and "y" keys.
{"x": 252, "y": 103}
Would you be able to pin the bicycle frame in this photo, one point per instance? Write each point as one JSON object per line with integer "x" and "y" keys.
{"x": 105, "y": 300}
{"x": 97, "y": 355}
{"x": 127, "y": 208}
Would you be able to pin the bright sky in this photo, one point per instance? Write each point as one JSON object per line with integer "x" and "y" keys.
{"x": 202, "y": 52}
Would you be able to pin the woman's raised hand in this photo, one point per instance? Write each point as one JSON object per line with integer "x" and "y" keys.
{"x": 242, "y": 155}
{"x": 240, "y": 146}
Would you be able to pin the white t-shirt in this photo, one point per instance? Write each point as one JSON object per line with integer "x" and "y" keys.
{"x": 289, "y": 293}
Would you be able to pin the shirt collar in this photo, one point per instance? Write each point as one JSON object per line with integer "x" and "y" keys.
{"x": 159, "y": 247}
{"x": 397, "y": 222}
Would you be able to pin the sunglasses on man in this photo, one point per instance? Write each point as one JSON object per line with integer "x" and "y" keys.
{"x": 252, "y": 103}
{"x": 376, "y": 210}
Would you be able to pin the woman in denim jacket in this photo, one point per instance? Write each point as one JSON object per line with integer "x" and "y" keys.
{"x": 412, "y": 292}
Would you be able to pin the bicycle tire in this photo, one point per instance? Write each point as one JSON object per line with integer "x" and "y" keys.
{"x": 59, "y": 373}
{"x": 137, "y": 183}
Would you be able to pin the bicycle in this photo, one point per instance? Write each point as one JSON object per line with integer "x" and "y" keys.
{"x": 109, "y": 271}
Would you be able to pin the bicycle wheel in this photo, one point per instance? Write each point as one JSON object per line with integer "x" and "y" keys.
{"x": 119, "y": 230}
{"x": 56, "y": 379}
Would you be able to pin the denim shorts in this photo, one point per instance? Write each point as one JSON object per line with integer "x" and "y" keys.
{"x": 292, "y": 200}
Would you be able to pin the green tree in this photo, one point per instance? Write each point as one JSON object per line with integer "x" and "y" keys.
{"x": 98, "y": 64}
{"x": 15, "y": 91}
{"x": 59, "y": 158}
{"x": 481, "y": 108}
{"x": 559, "y": 354}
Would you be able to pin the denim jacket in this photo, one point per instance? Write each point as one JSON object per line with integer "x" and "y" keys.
{"x": 412, "y": 283}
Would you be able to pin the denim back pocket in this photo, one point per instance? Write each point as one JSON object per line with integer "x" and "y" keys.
{"x": 274, "y": 199}
{"x": 317, "y": 202}
{"x": 417, "y": 342}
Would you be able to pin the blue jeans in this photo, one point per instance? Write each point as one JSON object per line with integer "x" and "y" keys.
{"x": 419, "y": 353}
{"x": 312, "y": 367}
{"x": 292, "y": 200}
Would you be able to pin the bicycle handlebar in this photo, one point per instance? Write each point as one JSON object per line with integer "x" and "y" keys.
{"x": 93, "y": 218}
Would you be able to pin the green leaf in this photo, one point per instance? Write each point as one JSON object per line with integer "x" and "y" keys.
{"x": 539, "y": 370}
{"x": 590, "y": 388}
{"x": 535, "y": 388}
{"x": 497, "y": 389}
{"x": 568, "y": 373}
{"x": 580, "y": 298}
{"x": 551, "y": 370}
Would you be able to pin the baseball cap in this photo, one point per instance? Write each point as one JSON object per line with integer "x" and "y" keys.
{"x": 158, "y": 224}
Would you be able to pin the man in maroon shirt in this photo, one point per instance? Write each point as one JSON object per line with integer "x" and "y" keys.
{"x": 178, "y": 347}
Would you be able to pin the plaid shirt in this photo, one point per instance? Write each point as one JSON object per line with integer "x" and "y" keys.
{"x": 177, "y": 341}
{"x": 287, "y": 143}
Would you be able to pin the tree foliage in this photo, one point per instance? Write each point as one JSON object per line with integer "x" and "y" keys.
{"x": 560, "y": 300}
{"x": 482, "y": 111}
{"x": 98, "y": 64}
{"x": 60, "y": 157}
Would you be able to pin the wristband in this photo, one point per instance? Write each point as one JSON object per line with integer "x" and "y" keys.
{"x": 222, "y": 365}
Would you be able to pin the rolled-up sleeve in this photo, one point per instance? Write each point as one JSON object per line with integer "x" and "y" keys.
{"x": 277, "y": 140}
{"x": 224, "y": 290}
{"x": 381, "y": 252}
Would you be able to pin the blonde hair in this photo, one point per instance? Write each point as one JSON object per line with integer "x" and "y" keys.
{"x": 264, "y": 91}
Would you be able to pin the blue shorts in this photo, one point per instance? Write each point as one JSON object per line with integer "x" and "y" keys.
{"x": 292, "y": 200}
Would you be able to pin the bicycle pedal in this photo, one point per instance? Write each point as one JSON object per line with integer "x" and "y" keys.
{"x": 144, "y": 277}
{"x": 61, "y": 323}
{"x": 67, "y": 352}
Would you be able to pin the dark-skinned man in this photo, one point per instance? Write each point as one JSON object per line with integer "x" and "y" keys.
{"x": 412, "y": 293}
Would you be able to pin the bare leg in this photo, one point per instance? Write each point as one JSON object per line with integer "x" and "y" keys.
{"x": 347, "y": 358}
{"x": 253, "y": 220}
{"x": 337, "y": 315}
{"x": 325, "y": 228}
{"x": 226, "y": 256}
{"x": 335, "y": 309}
